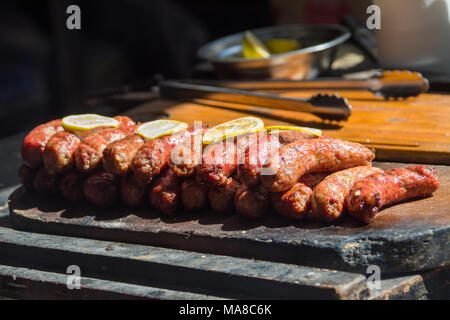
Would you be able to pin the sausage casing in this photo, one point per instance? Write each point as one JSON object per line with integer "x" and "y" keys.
{"x": 221, "y": 199}
{"x": 371, "y": 193}
{"x": 328, "y": 199}
{"x": 194, "y": 195}
{"x": 293, "y": 204}
{"x": 165, "y": 193}
{"x": 298, "y": 158}
{"x": 34, "y": 143}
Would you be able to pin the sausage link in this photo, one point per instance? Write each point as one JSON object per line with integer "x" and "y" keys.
{"x": 258, "y": 153}
{"x": 311, "y": 180}
{"x": 71, "y": 185}
{"x": 289, "y": 136}
{"x": 293, "y": 204}
{"x": 45, "y": 182}
{"x": 370, "y": 194}
{"x": 165, "y": 193}
{"x": 131, "y": 194}
{"x": 328, "y": 200}
{"x": 59, "y": 152}
{"x": 298, "y": 158}
{"x": 101, "y": 188}
{"x": 251, "y": 203}
{"x": 185, "y": 157}
{"x": 154, "y": 155}
{"x": 220, "y": 159}
{"x": 26, "y": 175}
{"x": 222, "y": 198}
{"x": 89, "y": 154}
{"x": 117, "y": 156}
{"x": 194, "y": 195}
{"x": 34, "y": 143}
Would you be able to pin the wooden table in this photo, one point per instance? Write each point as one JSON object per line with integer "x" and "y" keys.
{"x": 34, "y": 265}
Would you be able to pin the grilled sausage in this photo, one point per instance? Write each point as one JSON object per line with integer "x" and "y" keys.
{"x": 311, "y": 180}
{"x": 289, "y": 136}
{"x": 101, "y": 188}
{"x": 26, "y": 175}
{"x": 34, "y": 143}
{"x": 251, "y": 203}
{"x": 257, "y": 154}
{"x": 131, "y": 194}
{"x": 194, "y": 195}
{"x": 328, "y": 200}
{"x": 71, "y": 185}
{"x": 59, "y": 152}
{"x": 220, "y": 159}
{"x": 89, "y": 154}
{"x": 45, "y": 182}
{"x": 185, "y": 157}
{"x": 165, "y": 193}
{"x": 222, "y": 198}
{"x": 298, "y": 158}
{"x": 117, "y": 156}
{"x": 154, "y": 154}
{"x": 373, "y": 192}
{"x": 293, "y": 204}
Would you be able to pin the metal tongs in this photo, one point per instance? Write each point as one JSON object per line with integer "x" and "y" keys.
{"x": 389, "y": 84}
{"x": 327, "y": 107}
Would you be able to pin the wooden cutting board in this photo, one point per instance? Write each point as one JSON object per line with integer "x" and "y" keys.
{"x": 408, "y": 130}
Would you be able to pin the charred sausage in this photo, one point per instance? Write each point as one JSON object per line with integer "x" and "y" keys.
{"x": 220, "y": 159}
{"x": 71, "y": 185}
{"x": 45, "y": 182}
{"x": 34, "y": 143}
{"x": 328, "y": 200}
{"x": 185, "y": 157}
{"x": 251, "y": 203}
{"x": 154, "y": 155}
{"x": 370, "y": 194}
{"x": 257, "y": 154}
{"x": 26, "y": 175}
{"x": 89, "y": 154}
{"x": 131, "y": 194}
{"x": 222, "y": 198}
{"x": 117, "y": 156}
{"x": 311, "y": 180}
{"x": 165, "y": 193}
{"x": 194, "y": 195}
{"x": 298, "y": 158}
{"x": 59, "y": 152}
{"x": 293, "y": 204}
{"x": 101, "y": 188}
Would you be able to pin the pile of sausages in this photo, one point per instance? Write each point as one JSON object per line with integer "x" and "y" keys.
{"x": 299, "y": 175}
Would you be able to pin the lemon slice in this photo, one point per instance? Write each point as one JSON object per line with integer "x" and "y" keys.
{"x": 312, "y": 131}
{"x": 233, "y": 128}
{"x": 159, "y": 128}
{"x": 88, "y": 121}
{"x": 252, "y": 47}
{"x": 282, "y": 45}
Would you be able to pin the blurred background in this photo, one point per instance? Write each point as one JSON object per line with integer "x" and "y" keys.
{"x": 45, "y": 68}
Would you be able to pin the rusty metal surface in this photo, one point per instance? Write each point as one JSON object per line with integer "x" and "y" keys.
{"x": 406, "y": 237}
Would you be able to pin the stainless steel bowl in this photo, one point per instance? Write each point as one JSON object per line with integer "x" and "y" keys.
{"x": 319, "y": 44}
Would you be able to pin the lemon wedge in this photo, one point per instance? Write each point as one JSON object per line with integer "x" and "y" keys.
{"x": 252, "y": 47}
{"x": 282, "y": 45}
{"x": 312, "y": 131}
{"x": 233, "y": 128}
{"x": 88, "y": 121}
{"x": 160, "y": 128}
